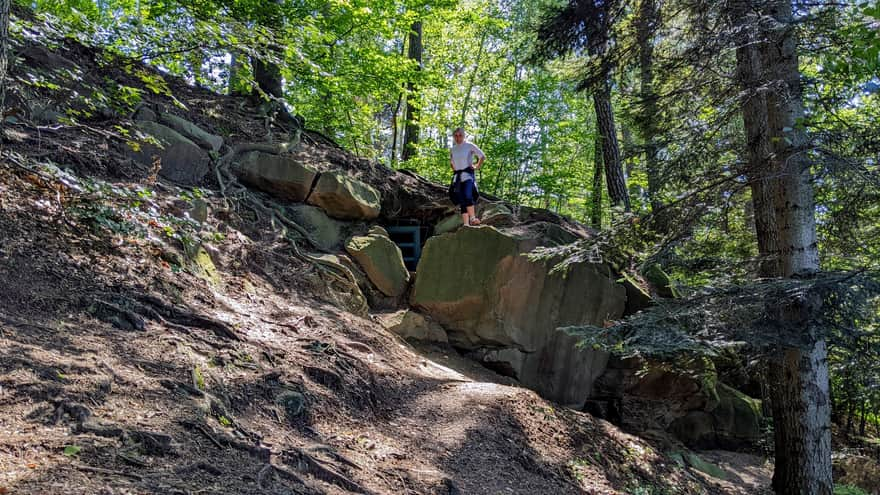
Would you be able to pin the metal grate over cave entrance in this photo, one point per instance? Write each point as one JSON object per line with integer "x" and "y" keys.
{"x": 409, "y": 235}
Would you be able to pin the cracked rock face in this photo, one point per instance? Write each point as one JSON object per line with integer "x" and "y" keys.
{"x": 479, "y": 286}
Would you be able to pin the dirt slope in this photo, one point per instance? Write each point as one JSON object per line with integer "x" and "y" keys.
{"x": 194, "y": 400}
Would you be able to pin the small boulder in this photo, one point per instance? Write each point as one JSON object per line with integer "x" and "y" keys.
{"x": 280, "y": 175}
{"x": 195, "y": 133}
{"x": 350, "y": 297}
{"x": 382, "y": 261}
{"x": 181, "y": 160}
{"x": 345, "y": 198}
{"x": 411, "y": 325}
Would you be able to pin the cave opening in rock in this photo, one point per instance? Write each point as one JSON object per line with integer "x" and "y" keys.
{"x": 409, "y": 235}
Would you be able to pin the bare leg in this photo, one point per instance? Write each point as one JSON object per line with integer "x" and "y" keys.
{"x": 464, "y": 219}
{"x": 473, "y": 216}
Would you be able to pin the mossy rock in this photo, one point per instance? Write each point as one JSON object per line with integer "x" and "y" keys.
{"x": 327, "y": 233}
{"x": 660, "y": 280}
{"x": 381, "y": 260}
{"x": 737, "y": 418}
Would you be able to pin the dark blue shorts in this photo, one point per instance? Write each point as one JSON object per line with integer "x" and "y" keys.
{"x": 466, "y": 195}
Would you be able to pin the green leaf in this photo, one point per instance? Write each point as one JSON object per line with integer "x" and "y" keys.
{"x": 72, "y": 450}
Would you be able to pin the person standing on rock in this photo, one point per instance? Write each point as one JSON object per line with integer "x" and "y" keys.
{"x": 463, "y": 190}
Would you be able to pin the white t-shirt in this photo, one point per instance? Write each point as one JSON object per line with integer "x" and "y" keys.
{"x": 463, "y": 157}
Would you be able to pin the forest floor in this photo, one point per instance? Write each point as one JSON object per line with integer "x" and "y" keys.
{"x": 122, "y": 373}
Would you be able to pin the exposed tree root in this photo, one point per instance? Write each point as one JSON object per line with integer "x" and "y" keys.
{"x": 317, "y": 468}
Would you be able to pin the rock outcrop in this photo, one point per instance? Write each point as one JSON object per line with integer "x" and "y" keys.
{"x": 327, "y": 233}
{"x": 281, "y": 175}
{"x": 683, "y": 397}
{"x": 479, "y": 285}
{"x": 345, "y": 198}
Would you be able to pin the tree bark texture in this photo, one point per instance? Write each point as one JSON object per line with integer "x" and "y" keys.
{"x": 779, "y": 172}
{"x": 411, "y": 135}
{"x": 596, "y": 196}
{"x": 648, "y": 18}
{"x": 4, "y": 59}
{"x": 751, "y": 76}
{"x": 268, "y": 77}
{"x": 614, "y": 177}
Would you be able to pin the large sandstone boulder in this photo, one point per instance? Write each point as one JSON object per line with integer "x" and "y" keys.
{"x": 195, "y": 133}
{"x": 478, "y": 284}
{"x": 181, "y": 160}
{"x": 327, "y": 233}
{"x": 281, "y": 175}
{"x": 345, "y": 198}
{"x": 381, "y": 260}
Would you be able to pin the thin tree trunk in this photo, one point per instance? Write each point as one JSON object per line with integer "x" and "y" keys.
{"x": 394, "y": 123}
{"x": 610, "y": 149}
{"x": 473, "y": 79}
{"x": 758, "y": 148}
{"x": 863, "y": 417}
{"x": 596, "y": 196}
{"x": 627, "y": 153}
{"x": 4, "y": 61}
{"x": 411, "y": 137}
{"x": 647, "y": 24}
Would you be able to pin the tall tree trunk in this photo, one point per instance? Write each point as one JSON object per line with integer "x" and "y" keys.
{"x": 267, "y": 74}
{"x": 596, "y": 196}
{"x": 614, "y": 177}
{"x": 268, "y": 78}
{"x": 467, "y": 96}
{"x": 4, "y": 61}
{"x": 804, "y": 415}
{"x": 785, "y": 226}
{"x": 411, "y": 137}
{"x": 394, "y": 123}
{"x": 750, "y": 72}
{"x": 648, "y": 19}
{"x": 863, "y": 416}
